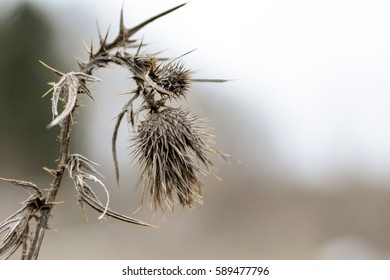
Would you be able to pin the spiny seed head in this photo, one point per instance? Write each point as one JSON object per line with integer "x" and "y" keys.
{"x": 144, "y": 63}
{"x": 168, "y": 145}
{"x": 172, "y": 77}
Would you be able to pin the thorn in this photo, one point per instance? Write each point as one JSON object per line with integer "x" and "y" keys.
{"x": 55, "y": 203}
{"x": 59, "y": 73}
{"x": 105, "y": 37}
{"x": 163, "y": 59}
{"x": 98, "y": 29}
{"x": 180, "y": 56}
{"x": 85, "y": 46}
{"x": 139, "y": 47}
{"x": 91, "y": 49}
{"x": 50, "y": 171}
{"x": 160, "y": 52}
{"x": 47, "y": 92}
{"x": 131, "y": 31}
{"x": 81, "y": 63}
{"x": 127, "y": 92}
{"x": 122, "y": 28}
{"x": 211, "y": 80}
{"x": 102, "y": 40}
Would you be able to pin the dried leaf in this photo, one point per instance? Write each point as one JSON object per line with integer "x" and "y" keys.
{"x": 67, "y": 89}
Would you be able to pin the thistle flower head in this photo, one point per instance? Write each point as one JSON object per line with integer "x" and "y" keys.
{"x": 168, "y": 146}
{"x": 144, "y": 63}
{"x": 172, "y": 77}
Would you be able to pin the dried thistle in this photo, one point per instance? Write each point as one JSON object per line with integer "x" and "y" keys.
{"x": 168, "y": 146}
{"x": 171, "y": 146}
{"x": 172, "y": 77}
{"x": 170, "y": 141}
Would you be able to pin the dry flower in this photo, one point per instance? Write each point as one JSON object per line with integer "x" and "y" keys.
{"x": 168, "y": 146}
{"x": 172, "y": 77}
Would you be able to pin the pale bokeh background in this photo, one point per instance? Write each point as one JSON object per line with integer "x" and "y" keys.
{"x": 307, "y": 115}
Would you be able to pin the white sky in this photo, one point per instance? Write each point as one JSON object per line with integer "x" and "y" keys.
{"x": 317, "y": 71}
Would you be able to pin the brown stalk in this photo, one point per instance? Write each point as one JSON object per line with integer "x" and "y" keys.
{"x": 50, "y": 197}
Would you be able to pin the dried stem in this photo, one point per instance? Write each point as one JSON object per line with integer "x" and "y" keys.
{"x": 36, "y": 243}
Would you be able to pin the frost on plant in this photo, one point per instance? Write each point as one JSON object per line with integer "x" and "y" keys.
{"x": 66, "y": 90}
{"x": 171, "y": 146}
{"x": 16, "y": 226}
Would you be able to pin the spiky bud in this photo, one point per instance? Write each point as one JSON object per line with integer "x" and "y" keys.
{"x": 168, "y": 145}
{"x": 172, "y": 77}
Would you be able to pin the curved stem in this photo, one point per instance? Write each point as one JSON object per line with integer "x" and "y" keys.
{"x": 43, "y": 219}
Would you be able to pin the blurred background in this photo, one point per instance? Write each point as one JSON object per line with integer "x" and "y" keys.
{"x": 307, "y": 114}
